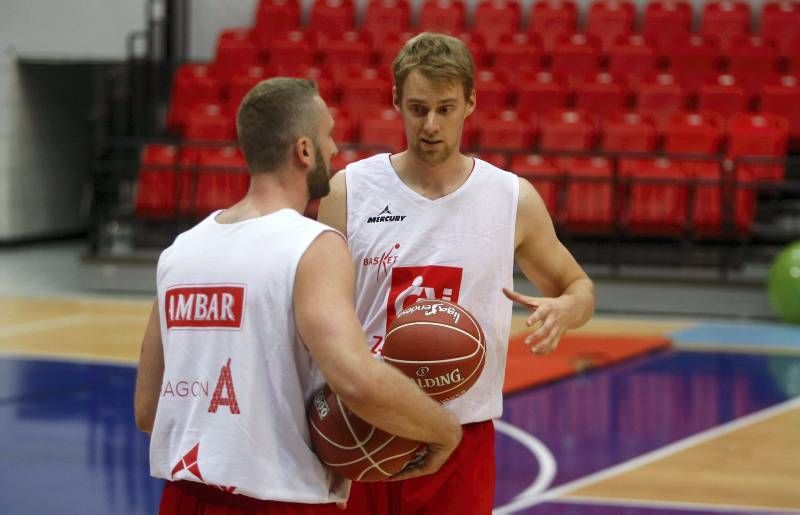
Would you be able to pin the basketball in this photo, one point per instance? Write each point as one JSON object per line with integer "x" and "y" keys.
{"x": 439, "y": 345}
{"x": 352, "y": 447}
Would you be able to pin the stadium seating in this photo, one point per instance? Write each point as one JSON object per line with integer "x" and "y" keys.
{"x": 631, "y": 57}
{"x": 331, "y": 18}
{"x": 343, "y": 51}
{"x": 384, "y": 130}
{"x": 600, "y": 94}
{"x": 667, "y": 20}
{"x": 568, "y": 130}
{"x": 240, "y": 84}
{"x": 496, "y": 18}
{"x": 781, "y": 95}
{"x": 724, "y": 94}
{"x": 366, "y": 90}
{"x": 492, "y": 92}
{"x": 448, "y": 16}
{"x": 385, "y": 18}
{"x": 694, "y": 133}
{"x": 590, "y": 195}
{"x": 751, "y": 59}
{"x": 235, "y": 51}
{"x": 575, "y": 55}
{"x": 725, "y": 19}
{"x": 543, "y": 174}
{"x": 629, "y": 132}
{"x": 539, "y": 92}
{"x": 780, "y": 22}
{"x": 274, "y": 18}
{"x": 758, "y": 135}
{"x": 209, "y": 122}
{"x": 345, "y": 128}
{"x": 517, "y": 53}
{"x": 656, "y": 196}
{"x": 222, "y": 179}
{"x": 551, "y": 19}
{"x": 609, "y": 19}
{"x": 292, "y": 52}
{"x": 692, "y": 58}
{"x": 163, "y": 183}
{"x": 505, "y": 131}
{"x": 660, "y": 95}
{"x": 193, "y": 84}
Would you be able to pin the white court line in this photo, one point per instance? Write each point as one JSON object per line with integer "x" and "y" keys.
{"x": 521, "y": 502}
{"x": 670, "y": 505}
{"x": 43, "y": 325}
{"x": 547, "y": 464}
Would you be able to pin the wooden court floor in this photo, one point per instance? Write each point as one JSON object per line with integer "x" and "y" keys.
{"x": 696, "y": 429}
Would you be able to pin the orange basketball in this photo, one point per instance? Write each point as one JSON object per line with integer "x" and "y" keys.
{"x": 350, "y": 446}
{"x": 439, "y": 345}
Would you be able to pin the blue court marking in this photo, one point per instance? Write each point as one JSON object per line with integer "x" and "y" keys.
{"x": 598, "y": 420}
{"x": 742, "y": 334}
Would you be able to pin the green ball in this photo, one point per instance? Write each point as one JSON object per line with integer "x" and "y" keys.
{"x": 783, "y": 283}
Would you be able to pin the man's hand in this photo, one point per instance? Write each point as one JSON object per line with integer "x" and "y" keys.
{"x": 553, "y": 317}
{"x": 431, "y": 459}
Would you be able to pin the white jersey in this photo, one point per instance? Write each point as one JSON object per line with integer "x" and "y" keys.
{"x": 237, "y": 378}
{"x": 459, "y": 248}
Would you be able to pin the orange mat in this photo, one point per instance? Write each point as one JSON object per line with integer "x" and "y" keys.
{"x": 575, "y": 354}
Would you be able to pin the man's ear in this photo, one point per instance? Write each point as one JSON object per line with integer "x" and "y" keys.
{"x": 304, "y": 151}
{"x": 395, "y": 100}
{"x": 472, "y": 102}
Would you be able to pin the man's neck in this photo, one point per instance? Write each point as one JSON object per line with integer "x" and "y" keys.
{"x": 432, "y": 181}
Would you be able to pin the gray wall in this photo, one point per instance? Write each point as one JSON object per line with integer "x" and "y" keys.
{"x": 69, "y": 29}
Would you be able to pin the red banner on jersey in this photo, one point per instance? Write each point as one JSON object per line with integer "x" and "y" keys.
{"x": 204, "y": 306}
{"x": 410, "y": 283}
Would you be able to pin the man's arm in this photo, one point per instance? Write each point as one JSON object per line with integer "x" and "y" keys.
{"x": 333, "y": 207}
{"x": 375, "y": 391}
{"x": 149, "y": 374}
{"x": 568, "y": 300}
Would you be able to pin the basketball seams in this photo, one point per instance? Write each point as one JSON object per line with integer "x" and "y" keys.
{"x": 385, "y": 460}
{"x": 446, "y": 326}
{"x": 357, "y": 440}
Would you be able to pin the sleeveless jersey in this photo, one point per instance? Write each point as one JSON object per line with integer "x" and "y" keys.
{"x": 237, "y": 378}
{"x": 458, "y": 248}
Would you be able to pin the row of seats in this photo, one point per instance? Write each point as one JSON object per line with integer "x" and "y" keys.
{"x": 587, "y": 195}
{"x": 661, "y": 19}
{"x": 705, "y": 132}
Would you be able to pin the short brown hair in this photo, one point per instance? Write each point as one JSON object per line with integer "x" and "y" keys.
{"x": 439, "y": 57}
{"x": 272, "y": 116}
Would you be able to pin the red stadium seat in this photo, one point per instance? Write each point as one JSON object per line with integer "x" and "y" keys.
{"x": 781, "y": 95}
{"x": 751, "y": 58}
{"x": 600, "y": 94}
{"x": 711, "y": 212}
{"x": 754, "y": 135}
{"x": 193, "y": 84}
{"x": 235, "y": 51}
{"x": 476, "y": 46}
{"x": 162, "y": 184}
{"x": 660, "y": 95}
{"x": 568, "y": 131}
{"x": 724, "y": 94}
{"x": 365, "y": 91}
{"x": 324, "y": 81}
{"x": 384, "y": 130}
{"x": 590, "y": 195}
{"x": 632, "y": 57}
{"x": 609, "y": 19}
{"x": 575, "y": 55}
{"x": 543, "y": 174}
{"x": 222, "y": 179}
{"x": 384, "y": 18}
{"x": 209, "y": 122}
{"x": 539, "y": 93}
{"x": 347, "y": 50}
{"x": 629, "y": 132}
{"x": 692, "y": 59}
{"x": 292, "y": 52}
{"x": 498, "y": 159}
{"x": 330, "y": 18}
{"x": 517, "y": 53}
{"x": 344, "y": 128}
{"x": 656, "y": 196}
{"x": 275, "y": 18}
{"x": 241, "y": 83}
{"x": 388, "y": 49}
{"x": 725, "y": 19}
{"x": 446, "y": 16}
{"x": 780, "y": 21}
{"x": 551, "y": 19}
{"x": 505, "y": 131}
{"x": 492, "y": 92}
{"x": 496, "y": 18}
{"x": 666, "y": 20}
{"x": 694, "y": 133}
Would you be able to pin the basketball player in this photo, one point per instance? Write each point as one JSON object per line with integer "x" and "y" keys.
{"x": 253, "y": 304}
{"x": 430, "y": 222}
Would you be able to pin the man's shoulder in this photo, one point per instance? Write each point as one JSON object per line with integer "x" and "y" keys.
{"x": 371, "y": 164}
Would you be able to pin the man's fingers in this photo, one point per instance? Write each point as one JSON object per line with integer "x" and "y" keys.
{"x": 528, "y": 302}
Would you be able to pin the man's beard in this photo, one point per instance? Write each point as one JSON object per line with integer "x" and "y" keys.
{"x": 318, "y": 177}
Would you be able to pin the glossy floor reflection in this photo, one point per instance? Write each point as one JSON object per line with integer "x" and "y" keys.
{"x": 67, "y": 433}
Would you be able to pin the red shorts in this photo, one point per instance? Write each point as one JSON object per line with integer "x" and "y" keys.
{"x": 182, "y": 497}
{"x": 464, "y": 485}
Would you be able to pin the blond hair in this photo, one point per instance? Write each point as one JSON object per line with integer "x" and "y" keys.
{"x": 440, "y": 58}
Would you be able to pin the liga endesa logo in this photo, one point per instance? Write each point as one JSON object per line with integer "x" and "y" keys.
{"x": 411, "y": 283}
{"x": 213, "y": 306}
